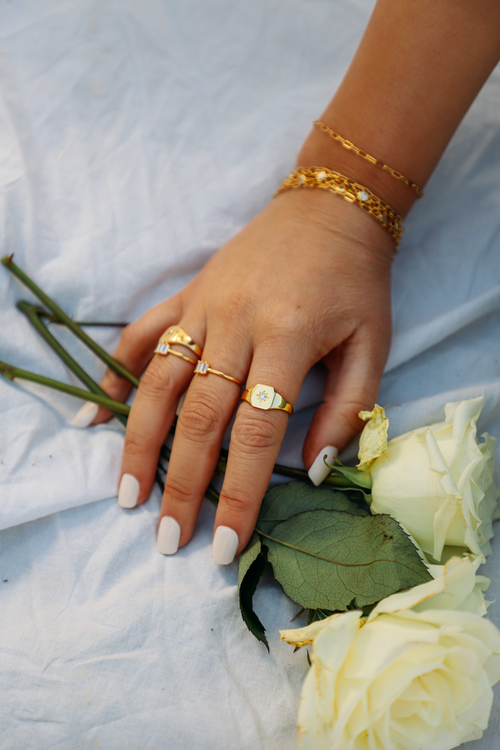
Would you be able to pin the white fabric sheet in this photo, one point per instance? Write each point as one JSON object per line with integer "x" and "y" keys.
{"x": 135, "y": 139}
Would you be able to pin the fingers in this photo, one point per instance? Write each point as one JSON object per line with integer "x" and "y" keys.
{"x": 135, "y": 349}
{"x": 151, "y": 416}
{"x": 355, "y": 372}
{"x": 255, "y": 443}
{"x": 208, "y": 407}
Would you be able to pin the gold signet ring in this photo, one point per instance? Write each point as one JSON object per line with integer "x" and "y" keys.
{"x": 177, "y": 335}
{"x": 265, "y": 397}
{"x": 203, "y": 368}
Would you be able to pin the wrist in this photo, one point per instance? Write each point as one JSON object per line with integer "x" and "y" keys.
{"x": 358, "y": 233}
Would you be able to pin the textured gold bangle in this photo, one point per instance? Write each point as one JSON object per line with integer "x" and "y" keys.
{"x": 351, "y": 147}
{"x": 326, "y": 179}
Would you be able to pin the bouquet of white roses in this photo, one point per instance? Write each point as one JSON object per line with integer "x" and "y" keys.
{"x": 417, "y": 671}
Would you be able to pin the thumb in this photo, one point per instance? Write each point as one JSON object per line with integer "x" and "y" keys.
{"x": 354, "y": 374}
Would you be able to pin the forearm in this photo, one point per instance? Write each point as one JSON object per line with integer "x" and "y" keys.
{"x": 418, "y": 68}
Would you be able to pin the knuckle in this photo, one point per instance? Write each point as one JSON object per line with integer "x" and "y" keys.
{"x": 178, "y": 489}
{"x": 236, "y": 501}
{"x": 135, "y": 444}
{"x": 254, "y": 433}
{"x": 130, "y": 336}
{"x": 199, "y": 419}
{"x": 158, "y": 378}
{"x": 231, "y": 306}
{"x": 348, "y": 413}
{"x": 289, "y": 321}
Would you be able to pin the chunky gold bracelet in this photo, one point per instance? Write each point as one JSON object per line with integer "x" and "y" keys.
{"x": 351, "y": 147}
{"x": 326, "y": 179}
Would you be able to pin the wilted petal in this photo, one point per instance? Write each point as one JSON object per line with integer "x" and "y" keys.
{"x": 373, "y": 440}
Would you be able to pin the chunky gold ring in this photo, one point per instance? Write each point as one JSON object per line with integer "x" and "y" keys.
{"x": 203, "y": 368}
{"x": 177, "y": 335}
{"x": 165, "y": 349}
{"x": 265, "y": 397}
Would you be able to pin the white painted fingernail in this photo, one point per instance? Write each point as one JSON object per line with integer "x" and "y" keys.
{"x": 128, "y": 492}
{"x": 169, "y": 533}
{"x": 319, "y": 471}
{"x": 224, "y": 545}
{"x": 86, "y": 414}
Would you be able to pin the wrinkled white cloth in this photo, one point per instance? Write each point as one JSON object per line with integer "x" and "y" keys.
{"x": 135, "y": 139}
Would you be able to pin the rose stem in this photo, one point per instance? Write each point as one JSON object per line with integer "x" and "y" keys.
{"x": 91, "y": 323}
{"x": 30, "y": 312}
{"x": 11, "y": 372}
{"x": 74, "y": 327}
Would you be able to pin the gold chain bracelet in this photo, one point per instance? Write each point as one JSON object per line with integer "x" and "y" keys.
{"x": 326, "y": 179}
{"x": 351, "y": 147}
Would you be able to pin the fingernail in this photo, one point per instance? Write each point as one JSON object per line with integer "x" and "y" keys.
{"x": 86, "y": 414}
{"x": 319, "y": 471}
{"x": 169, "y": 533}
{"x": 224, "y": 545}
{"x": 128, "y": 492}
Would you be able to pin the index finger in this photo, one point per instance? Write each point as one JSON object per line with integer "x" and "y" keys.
{"x": 256, "y": 439}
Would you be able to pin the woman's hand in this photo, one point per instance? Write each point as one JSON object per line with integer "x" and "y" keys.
{"x": 307, "y": 280}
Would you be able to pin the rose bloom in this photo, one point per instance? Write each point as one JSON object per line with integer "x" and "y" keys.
{"x": 417, "y": 673}
{"x": 437, "y": 481}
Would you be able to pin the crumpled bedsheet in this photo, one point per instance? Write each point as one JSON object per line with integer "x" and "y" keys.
{"x": 135, "y": 139}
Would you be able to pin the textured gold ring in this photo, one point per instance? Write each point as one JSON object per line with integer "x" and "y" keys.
{"x": 165, "y": 349}
{"x": 203, "y": 368}
{"x": 177, "y": 335}
{"x": 265, "y": 397}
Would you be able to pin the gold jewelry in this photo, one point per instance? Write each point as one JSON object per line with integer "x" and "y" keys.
{"x": 203, "y": 368}
{"x": 353, "y": 192}
{"x": 165, "y": 349}
{"x": 177, "y": 335}
{"x": 351, "y": 147}
{"x": 265, "y": 397}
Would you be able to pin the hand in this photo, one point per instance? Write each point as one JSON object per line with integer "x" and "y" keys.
{"x": 307, "y": 280}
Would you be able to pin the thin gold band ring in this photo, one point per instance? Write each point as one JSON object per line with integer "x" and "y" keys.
{"x": 165, "y": 349}
{"x": 203, "y": 368}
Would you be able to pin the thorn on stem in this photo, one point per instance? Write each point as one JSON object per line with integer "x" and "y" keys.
{"x": 7, "y": 371}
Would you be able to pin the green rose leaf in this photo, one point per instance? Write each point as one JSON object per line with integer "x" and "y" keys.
{"x": 288, "y": 500}
{"x": 335, "y": 560}
{"x": 251, "y": 566}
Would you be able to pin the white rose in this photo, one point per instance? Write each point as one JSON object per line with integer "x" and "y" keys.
{"x": 437, "y": 482}
{"x": 415, "y": 674}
